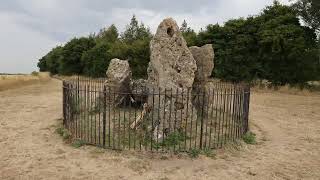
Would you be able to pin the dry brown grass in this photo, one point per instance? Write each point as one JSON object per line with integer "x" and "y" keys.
{"x": 286, "y": 127}
{"x": 315, "y": 89}
{"x": 15, "y": 81}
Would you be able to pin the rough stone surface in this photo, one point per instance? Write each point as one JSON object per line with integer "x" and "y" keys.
{"x": 171, "y": 63}
{"x": 118, "y": 81}
{"x": 171, "y": 69}
{"x": 204, "y": 57}
{"x": 139, "y": 91}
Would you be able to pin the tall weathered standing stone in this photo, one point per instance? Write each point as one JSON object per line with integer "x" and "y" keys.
{"x": 118, "y": 81}
{"x": 171, "y": 69}
{"x": 202, "y": 100}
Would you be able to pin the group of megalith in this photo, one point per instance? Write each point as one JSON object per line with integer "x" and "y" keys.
{"x": 173, "y": 69}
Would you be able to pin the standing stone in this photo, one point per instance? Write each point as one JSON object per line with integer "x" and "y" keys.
{"x": 171, "y": 69}
{"x": 204, "y": 57}
{"x": 118, "y": 81}
{"x": 202, "y": 100}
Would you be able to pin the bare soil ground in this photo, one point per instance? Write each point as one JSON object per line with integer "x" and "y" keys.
{"x": 287, "y": 128}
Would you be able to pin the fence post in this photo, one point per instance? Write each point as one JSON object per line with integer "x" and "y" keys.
{"x": 247, "y": 100}
{"x": 64, "y": 102}
{"x": 202, "y": 114}
{"x": 104, "y": 115}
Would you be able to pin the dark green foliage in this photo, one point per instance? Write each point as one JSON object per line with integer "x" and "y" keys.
{"x": 287, "y": 50}
{"x": 173, "y": 139}
{"x": 64, "y": 133}
{"x": 272, "y": 45}
{"x": 134, "y": 32}
{"x": 96, "y": 61}
{"x": 78, "y": 143}
{"x": 34, "y": 73}
{"x": 235, "y": 51}
{"x": 309, "y": 10}
{"x": 208, "y": 152}
{"x": 72, "y": 53}
{"x": 194, "y": 153}
{"x": 139, "y": 57}
{"x": 249, "y": 138}
{"x": 42, "y": 64}
{"x": 137, "y": 39}
{"x": 51, "y": 61}
{"x": 189, "y": 35}
{"x": 109, "y": 35}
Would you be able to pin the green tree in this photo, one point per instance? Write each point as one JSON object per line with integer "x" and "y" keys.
{"x": 96, "y": 61}
{"x": 136, "y": 39}
{"x": 42, "y": 65}
{"x": 272, "y": 46}
{"x": 235, "y": 49}
{"x": 109, "y": 35}
{"x": 287, "y": 49}
{"x": 309, "y": 11}
{"x": 135, "y": 31}
{"x": 72, "y": 53}
{"x": 53, "y": 59}
{"x": 189, "y": 34}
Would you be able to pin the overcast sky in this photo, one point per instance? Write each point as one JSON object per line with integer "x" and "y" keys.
{"x": 30, "y": 28}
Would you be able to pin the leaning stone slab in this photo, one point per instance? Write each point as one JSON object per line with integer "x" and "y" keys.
{"x": 118, "y": 81}
{"x": 204, "y": 57}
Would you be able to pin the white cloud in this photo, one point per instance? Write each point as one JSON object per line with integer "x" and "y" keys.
{"x": 21, "y": 47}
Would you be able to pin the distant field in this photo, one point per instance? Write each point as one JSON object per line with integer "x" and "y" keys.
{"x": 10, "y": 81}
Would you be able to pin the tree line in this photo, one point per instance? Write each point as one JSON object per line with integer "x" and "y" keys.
{"x": 273, "y": 45}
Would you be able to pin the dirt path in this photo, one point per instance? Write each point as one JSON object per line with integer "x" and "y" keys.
{"x": 287, "y": 126}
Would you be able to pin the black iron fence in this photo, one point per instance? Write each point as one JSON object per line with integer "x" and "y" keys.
{"x": 155, "y": 119}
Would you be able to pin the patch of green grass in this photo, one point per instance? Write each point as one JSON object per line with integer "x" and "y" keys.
{"x": 194, "y": 153}
{"x": 63, "y": 132}
{"x": 173, "y": 139}
{"x": 59, "y": 130}
{"x": 249, "y": 138}
{"x": 78, "y": 143}
{"x": 208, "y": 152}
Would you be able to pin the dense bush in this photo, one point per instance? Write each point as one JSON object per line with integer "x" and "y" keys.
{"x": 70, "y": 62}
{"x": 272, "y": 45}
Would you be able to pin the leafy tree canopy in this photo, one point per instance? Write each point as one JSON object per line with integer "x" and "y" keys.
{"x": 272, "y": 45}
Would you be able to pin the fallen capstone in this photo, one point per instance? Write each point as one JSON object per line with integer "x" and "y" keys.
{"x": 118, "y": 82}
{"x": 171, "y": 70}
{"x": 202, "y": 87}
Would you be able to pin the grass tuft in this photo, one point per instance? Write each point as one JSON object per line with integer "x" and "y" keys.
{"x": 194, "y": 153}
{"x": 208, "y": 152}
{"x": 249, "y": 138}
{"x": 63, "y": 132}
{"x": 78, "y": 143}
